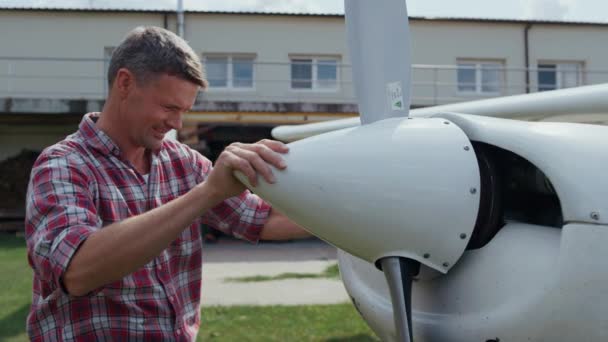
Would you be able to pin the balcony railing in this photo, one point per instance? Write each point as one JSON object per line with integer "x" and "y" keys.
{"x": 85, "y": 78}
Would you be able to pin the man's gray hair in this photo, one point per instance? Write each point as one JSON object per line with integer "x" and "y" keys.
{"x": 151, "y": 51}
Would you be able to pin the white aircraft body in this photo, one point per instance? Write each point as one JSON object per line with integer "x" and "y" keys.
{"x": 453, "y": 226}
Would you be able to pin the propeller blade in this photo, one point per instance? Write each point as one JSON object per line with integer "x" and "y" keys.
{"x": 378, "y": 39}
{"x": 400, "y": 273}
{"x": 586, "y": 104}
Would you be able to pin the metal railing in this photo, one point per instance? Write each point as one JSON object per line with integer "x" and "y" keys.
{"x": 85, "y": 78}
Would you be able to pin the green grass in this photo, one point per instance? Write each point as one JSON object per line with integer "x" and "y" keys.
{"x": 330, "y": 272}
{"x": 15, "y": 288}
{"x": 331, "y": 323}
{"x": 284, "y": 323}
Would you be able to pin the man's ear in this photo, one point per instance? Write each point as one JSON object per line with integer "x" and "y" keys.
{"x": 124, "y": 82}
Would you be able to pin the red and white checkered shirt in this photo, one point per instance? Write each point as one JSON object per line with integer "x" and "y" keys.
{"x": 82, "y": 184}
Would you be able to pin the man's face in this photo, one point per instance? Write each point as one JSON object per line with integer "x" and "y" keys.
{"x": 153, "y": 108}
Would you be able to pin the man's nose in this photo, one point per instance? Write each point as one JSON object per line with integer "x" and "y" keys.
{"x": 175, "y": 121}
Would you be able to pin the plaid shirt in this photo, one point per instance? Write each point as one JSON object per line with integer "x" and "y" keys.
{"x": 82, "y": 184}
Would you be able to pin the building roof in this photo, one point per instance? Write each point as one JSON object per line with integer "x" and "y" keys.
{"x": 197, "y": 6}
{"x": 134, "y": 6}
{"x": 90, "y": 5}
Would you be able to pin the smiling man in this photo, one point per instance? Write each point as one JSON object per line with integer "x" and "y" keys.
{"x": 114, "y": 210}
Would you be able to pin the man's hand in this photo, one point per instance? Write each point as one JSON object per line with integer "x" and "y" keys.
{"x": 250, "y": 159}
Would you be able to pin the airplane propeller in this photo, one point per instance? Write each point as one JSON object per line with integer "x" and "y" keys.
{"x": 409, "y": 192}
{"x": 378, "y": 40}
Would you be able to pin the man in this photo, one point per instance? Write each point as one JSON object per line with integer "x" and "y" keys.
{"x": 114, "y": 210}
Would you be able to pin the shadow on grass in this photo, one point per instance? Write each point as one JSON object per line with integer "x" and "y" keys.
{"x": 10, "y": 241}
{"x": 14, "y": 323}
{"x": 354, "y": 338}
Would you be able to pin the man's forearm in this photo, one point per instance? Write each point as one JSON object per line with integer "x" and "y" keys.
{"x": 279, "y": 227}
{"x": 123, "y": 247}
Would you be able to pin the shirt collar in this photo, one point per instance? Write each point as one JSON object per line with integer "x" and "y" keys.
{"x": 95, "y": 137}
{"x": 98, "y": 139}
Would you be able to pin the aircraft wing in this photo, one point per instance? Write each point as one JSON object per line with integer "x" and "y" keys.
{"x": 586, "y": 104}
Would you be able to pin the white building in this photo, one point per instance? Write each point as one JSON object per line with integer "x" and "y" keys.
{"x": 269, "y": 68}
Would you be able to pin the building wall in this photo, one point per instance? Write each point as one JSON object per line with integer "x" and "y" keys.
{"x": 273, "y": 39}
{"x": 436, "y": 47}
{"x": 61, "y": 35}
{"x": 586, "y": 44}
{"x": 439, "y": 43}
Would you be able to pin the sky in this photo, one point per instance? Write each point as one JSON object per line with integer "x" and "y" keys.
{"x": 562, "y": 10}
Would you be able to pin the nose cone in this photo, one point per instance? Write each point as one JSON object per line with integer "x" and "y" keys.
{"x": 397, "y": 187}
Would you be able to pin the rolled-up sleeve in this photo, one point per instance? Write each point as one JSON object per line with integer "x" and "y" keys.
{"x": 60, "y": 215}
{"x": 242, "y": 216}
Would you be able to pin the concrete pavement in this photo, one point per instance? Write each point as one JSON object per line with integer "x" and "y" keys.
{"x": 235, "y": 259}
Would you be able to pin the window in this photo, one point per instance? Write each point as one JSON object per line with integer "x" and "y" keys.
{"x": 553, "y": 76}
{"x": 319, "y": 73}
{"x": 227, "y": 71}
{"x": 481, "y": 77}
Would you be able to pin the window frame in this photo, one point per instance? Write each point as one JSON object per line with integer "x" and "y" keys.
{"x": 478, "y": 65}
{"x": 230, "y": 71}
{"x": 315, "y": 73}
{"x": 559, "y": 81}
{"x": 107, "y": 58}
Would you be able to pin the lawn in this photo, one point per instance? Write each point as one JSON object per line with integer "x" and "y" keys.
{"x": 284, "y": 323}
{"x": 15, "y": 288}
{"x": 241, "y": 323}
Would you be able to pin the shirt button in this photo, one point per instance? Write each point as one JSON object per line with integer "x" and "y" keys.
{"x": 159, "y": 267}
{"x": 179, "y": 331}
